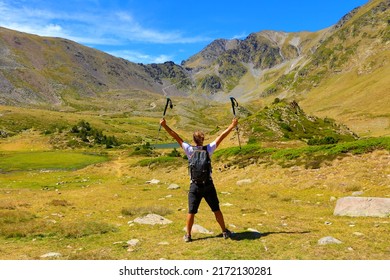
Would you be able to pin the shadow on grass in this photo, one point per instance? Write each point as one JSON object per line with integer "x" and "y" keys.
{"x": 252, "y": 235}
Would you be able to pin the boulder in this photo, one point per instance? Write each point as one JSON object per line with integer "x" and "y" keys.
{"x": 328, "y": 240}
{"x": 199, "y": 229}
{"x": 362, "y": 207}
{"x": 173, "y": 187}
{"x": 152, "y": 219}
{"x": 132, "y": 242}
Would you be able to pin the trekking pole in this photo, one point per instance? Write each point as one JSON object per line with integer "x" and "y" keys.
{"x": 235, "y": 104}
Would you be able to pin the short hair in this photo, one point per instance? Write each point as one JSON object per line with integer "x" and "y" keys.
{"x": 198, "y": 137}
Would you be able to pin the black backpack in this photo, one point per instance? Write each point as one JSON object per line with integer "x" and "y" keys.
{"x": 199, "y": 165}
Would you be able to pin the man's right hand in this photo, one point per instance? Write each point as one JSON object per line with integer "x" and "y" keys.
{"x": 234, "y": 122}
{"x": 163, "y": 122}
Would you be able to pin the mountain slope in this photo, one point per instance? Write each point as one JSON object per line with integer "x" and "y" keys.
{"x": 341, "y": 72}
{"x": 351, "y": 71}
{"x": 236, "y": 62}
{"x": 36, "y": 70}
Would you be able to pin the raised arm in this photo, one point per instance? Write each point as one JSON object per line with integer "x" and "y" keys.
{"x": 171, "y": 132}
{"x": 223, "y": 135}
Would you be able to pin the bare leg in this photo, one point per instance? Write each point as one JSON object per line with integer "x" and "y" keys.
{"x": 189, "y": 222}
{"x": 219, "y": 217}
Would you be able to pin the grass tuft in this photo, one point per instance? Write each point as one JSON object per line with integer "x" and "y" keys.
{"x": 85, "y": 228}
{"x": 133, "y": 211}
{"x": 59, "y": 202}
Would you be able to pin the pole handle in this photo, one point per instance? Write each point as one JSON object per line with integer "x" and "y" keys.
{"x": 234, "y": 104}
{"x": 169, "y": 103}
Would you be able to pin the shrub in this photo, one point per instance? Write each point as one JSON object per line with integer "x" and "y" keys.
{"x": 88, "y": 134}
{"x": 174, "y": 153}
{"x": 143, "y": 150}
{"x": 327, "y": 140}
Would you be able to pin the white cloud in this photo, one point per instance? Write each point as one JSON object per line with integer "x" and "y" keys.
{"x": 138, "y": 57}
{"x": 243, "y": 35}
{"x": 87, "y": 27}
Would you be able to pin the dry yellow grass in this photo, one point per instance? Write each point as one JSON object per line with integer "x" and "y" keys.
{"x": 365, "y": 95}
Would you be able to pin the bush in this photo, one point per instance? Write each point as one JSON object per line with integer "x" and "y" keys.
{"x": 88, "y": 134}
{"x": 143, "y": 150}
{"x": 322, "y": 141}
{"x": 174, "y": 153}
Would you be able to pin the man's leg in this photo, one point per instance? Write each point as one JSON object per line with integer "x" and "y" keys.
{"x": 193, "y": 203}
{"x": 225, "y": 232}
{"x": 189, "y": 223}
{"x": 219, "y": 217}
{"x": 212, "y": 200}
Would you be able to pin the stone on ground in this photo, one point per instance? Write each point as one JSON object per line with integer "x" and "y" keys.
{"x": 328, "y": 240}
{"x": 362, "y": 207}
{"x": 152, "y": 219}
{"x": 173, "y": 187}
{"x": 244, "y": 182}
{"x": 51, "y": 255}
{"x": 199, "y": 229}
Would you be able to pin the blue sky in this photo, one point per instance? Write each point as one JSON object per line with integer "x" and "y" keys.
{"x": 155, "y": 31}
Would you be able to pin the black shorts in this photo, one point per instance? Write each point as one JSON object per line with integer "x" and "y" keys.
{"x": 199, "y": 191}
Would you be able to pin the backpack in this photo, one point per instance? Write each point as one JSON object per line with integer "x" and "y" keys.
{"x": 199, "y": 165}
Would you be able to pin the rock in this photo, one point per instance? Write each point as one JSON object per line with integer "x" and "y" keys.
{"x": 3, "y": 134}
{"x": 357, "y": 193}
{"x": 328, "y": 240}
{"x": 152, "y": 219}
{"x": 132, "y": 242}
{"x": 51, "y": 255}
{"x": 173, "y": 187}
{"x": 199, "y": 229}
{"x": 153, "y": 181}
{"x": 226, "y": 204}
{"x": 362, "y": 207}
{"x": 244, "y": 182}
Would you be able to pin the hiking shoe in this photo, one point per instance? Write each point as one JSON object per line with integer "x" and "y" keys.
{"x": 227, "y": 234}
{"x": 187, "y": 238}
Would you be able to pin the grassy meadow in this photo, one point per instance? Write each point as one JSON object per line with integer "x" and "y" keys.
{"x": 81, "y": 202}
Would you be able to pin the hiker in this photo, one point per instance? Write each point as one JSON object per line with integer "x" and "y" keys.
{"x": 201, "y": 189}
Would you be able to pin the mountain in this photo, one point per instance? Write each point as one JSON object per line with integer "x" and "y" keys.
{"x": 240, "y": 66}
{"x": 45, "y": 71}
{"x": 340, "y": 72}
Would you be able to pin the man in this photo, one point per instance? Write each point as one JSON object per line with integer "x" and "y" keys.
{"x": 206, "y": 189}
